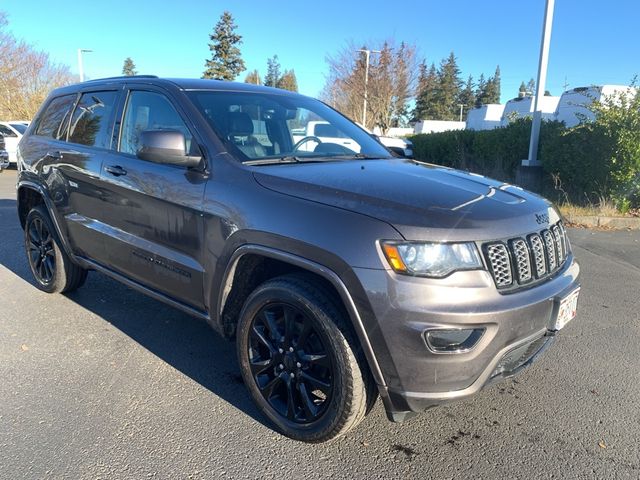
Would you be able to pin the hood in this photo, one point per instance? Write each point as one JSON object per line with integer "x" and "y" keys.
{"x": 421, "y": 201}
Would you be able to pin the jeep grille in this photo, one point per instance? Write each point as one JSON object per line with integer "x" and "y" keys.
{"x": 526, "y": 260}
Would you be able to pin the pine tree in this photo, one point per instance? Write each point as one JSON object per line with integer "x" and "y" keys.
{"x": 273, "y": 75}
{"x": 467, "y": 97}
{"x": 253, "y": 77}
{"x": 531, "y": 87}
{"x": 448, "y": 89}
{"x": 427, "y": 83}
{"x": 129, "y": 68}
{"x": 497, "y": 82}
{"x": 522, "y": 91}
{"x": 481, "y": 90}
{"x": 288, "y": 81}
{"x": 225, "y": 62}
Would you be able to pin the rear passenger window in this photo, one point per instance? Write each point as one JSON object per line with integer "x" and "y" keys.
{"x": 91, "y": 122}
{"x": 149, "y": 111}
{"x": 54, "y": 121}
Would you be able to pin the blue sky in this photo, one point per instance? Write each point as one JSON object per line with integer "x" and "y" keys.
{"x": 592, "y": 43}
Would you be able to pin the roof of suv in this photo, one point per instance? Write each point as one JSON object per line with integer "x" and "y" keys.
{"x": 181, "y": 83}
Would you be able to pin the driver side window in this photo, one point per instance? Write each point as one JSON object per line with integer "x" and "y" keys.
{"x": 149, "y": 111}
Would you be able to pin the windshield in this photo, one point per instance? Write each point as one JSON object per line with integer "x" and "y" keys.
{"x": 20, "y": 127}
{"x": 263, "y": 126}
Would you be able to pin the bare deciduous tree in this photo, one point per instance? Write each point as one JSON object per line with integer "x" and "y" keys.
{"x": 26, "y": 76}
{"x": 390, "y": 86}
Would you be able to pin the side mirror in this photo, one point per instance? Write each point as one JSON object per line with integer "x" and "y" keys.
{"x": 166, "y": 146}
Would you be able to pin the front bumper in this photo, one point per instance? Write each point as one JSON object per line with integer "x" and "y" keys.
{"x": 518, "y": 328}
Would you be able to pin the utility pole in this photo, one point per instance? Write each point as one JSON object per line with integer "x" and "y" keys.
{"x": 532, "y": 161}
{"x": 80, "y": 65}
{"x": 366, "y": 81}
{"x": 461, "y": 107}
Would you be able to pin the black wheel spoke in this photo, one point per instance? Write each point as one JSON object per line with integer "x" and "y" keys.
{"x": 268, "y": 389}
{"x": 316, "y": 359}
{"x": 310, "y": 409}
{"x": 291, "y": 403}
{"x": 48, "y": 262}
{"x": 260, "y": 366}
{"x": 265, "y": 341}
{"x": 270, "y": 320}
{"x": 315, "y": 382}
{"x": 307, "y": 329}
{"x": 289, "y": 324}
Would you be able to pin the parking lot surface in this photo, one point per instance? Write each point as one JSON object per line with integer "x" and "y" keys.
{"x": 107, "y": 383}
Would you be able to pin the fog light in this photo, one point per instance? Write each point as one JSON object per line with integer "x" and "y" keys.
{"x": 453, "y": 340}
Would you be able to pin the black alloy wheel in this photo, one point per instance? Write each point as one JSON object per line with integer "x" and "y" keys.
{"x": 52, "y": 268}
{"x": 296, "y": 350}
{"x": 40, "y": 250}
{"x": 290, "y": 363}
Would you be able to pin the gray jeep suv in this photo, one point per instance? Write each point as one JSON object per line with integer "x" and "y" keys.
{"x": 343, "y": 273}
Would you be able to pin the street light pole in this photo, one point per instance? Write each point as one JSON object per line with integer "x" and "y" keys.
{"x": 532, "y": 161}
{"x": 366, "y": 81}
{"x": 461, "y": 105}
{"x": 80, "y": 65}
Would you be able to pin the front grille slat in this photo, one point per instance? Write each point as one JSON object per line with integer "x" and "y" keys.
{"x": 500, "y": 263}
{"x": 520, "y": 261}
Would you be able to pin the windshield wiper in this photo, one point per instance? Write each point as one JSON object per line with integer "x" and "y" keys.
{"x": 273, "y": 161}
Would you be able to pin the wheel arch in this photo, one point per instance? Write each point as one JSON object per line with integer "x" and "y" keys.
{"x": 240, "y": 272}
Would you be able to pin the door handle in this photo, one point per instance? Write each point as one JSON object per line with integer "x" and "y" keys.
{"x": 116, "y": 170}
{"x": 54, "y": 155}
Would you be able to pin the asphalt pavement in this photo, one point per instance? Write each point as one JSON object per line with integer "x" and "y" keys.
{"x": 107, "y": 383}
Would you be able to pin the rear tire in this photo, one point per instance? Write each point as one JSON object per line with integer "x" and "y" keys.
{"x": 51, "y": 267}
{"x": 296, "y": 354}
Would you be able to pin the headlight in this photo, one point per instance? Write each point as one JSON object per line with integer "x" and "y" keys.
{"x": 431, "y": 259}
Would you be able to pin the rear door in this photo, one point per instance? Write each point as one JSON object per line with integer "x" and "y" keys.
{"x": 90, "y": 143}
{"x": 153, "y": 212}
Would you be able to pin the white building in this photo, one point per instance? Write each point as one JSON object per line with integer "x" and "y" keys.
{"x": 437, "y": 126}
{"x": 574, "y": 104}
{"x": 522, "y": 107}
{"x": 485, "y": 117}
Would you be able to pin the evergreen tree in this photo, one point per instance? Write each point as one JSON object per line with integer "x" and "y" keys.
{"x": 467, "y": 97}
{"x": 480, "y": 91}
{"x": 497, "y": 82}
{"x": 288, "y": 81}
{"x": 427, "y": 84}
{"x": 531, "y": 87}
{"x": 129, "y": 68}
{"x": 253, "y": 77}
{"x": 522, "y": 91}
{"x": 448, "y": 89}
{"x": 273, "y": 75}
{"x": 225, "y": 62}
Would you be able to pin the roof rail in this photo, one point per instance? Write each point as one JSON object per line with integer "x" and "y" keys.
{"x": 121, "y": 77}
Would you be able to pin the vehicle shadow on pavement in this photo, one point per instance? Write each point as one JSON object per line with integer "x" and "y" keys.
{"x": 187, "y": 344}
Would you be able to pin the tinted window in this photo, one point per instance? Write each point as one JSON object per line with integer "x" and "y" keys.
{"x": 149, "y": 111}
{"x": 55, "y": 119}
{"x": 91, "y": 122}
{"x": 328, "y": 130}
{"x": 20, "y": 127}
{"x": 7, "y": 132}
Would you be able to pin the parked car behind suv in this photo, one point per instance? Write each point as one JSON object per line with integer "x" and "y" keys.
{"x": 343, "y": 273}
{"x": 12, "y": 132}
{"x": 4, "y": 156}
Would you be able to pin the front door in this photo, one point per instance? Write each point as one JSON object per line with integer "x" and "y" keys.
{"x": 153, "y": 211}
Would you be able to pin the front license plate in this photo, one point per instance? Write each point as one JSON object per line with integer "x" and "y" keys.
{"x": 567, "y": 310}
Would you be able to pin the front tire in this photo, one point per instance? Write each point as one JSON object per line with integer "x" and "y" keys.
{"x": 51, "y": 267}
{"x": 296, "y": 354}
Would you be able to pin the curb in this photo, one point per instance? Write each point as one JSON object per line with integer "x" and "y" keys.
{"x": 610, "y": 223}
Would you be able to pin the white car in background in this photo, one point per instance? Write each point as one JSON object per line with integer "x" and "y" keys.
{"x": 12, "y": 132}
